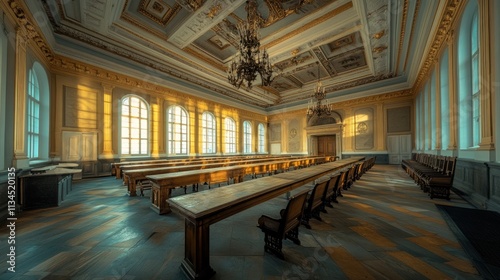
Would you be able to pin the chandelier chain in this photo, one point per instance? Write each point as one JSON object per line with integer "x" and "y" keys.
{"x": 315, "y": 106}
{"x": 249, "y": 60}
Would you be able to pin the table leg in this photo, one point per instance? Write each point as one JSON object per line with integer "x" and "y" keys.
{"x": 196, "y": 263}
{"x": 131, "y": 187}
{"x": 159, "y": 196}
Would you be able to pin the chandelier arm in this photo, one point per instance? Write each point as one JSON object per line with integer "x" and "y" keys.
{"x": 251, "y": 60}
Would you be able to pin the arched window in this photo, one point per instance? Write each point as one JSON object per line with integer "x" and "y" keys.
{"x": 262, "y": 138}
{"x": 208, "y": 130}
{"x": 33, "y": 115}
{"x": 230, "y": 140}
{"x": 134, "y": 126}
{"x": 468, "y": 86}
{"x": 37, "y": 120}
{"x": 247, "y": 137}
{"x": 476, "y": 114}
{"x": 177, "y": 131}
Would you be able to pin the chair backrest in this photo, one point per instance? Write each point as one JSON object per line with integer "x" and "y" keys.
{"x": 291, "y": 217}
{"x": 450, "y": 166}
{"x": 341, "y": 181}
{"x": 332, "y": 186}
{"x": 316, "y": 197}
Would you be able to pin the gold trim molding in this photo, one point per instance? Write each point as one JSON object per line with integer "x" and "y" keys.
{"x": 448, "y": 18}
{"x": 311, "y": 24}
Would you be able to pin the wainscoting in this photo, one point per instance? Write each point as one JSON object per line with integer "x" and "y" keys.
{"x": 380, "y": 158}
{"x": 480, "y": 183}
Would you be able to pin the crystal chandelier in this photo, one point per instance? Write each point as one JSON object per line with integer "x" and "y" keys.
{"x": 249, "y": 60}
{"x": 316, "y": 107}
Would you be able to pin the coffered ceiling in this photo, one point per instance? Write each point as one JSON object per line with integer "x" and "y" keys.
{"x": 363, "y": 47}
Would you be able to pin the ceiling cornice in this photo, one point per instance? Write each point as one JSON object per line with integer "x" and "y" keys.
{"x": 448, "y": 18}
{"x": 309, "y": 25}
{"x": 402, "y": 34}
{"x": 415, "y": 15}
{"x": 25, "y": 21}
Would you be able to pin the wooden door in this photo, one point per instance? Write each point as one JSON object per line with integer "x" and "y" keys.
{"x": 326, "y": 145}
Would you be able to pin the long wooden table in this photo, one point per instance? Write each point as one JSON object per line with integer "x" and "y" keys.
{"x": 204, "y": 208}
{"x": 162, "y": 184}
{"x": 117, "y": 166}
{"x": 133, "y": 176}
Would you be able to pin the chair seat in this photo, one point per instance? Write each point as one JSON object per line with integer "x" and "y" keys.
{"x": 269, "y": 224}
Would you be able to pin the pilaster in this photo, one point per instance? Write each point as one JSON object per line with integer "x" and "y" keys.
{"x": 20, "y": 158}
{"x": 107, "y": 122}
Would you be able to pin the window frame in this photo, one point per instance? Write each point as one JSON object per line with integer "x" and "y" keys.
{"x": 208, "y": 133}
{"x": 261, "y": 138}
{"x": 230, "y": 135}
{"x": 139, "y": 128}
{"x": 247, "y": 137}
{"x": 177, "y": 131}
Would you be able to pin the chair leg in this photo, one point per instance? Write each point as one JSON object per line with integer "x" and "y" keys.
{"x": 305, "y": 220}
{"x": 294, "y": 235}
{"x": 315, "y": 214}
{"x": 273, "y": 245}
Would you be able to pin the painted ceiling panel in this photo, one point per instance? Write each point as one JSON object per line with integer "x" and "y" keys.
{"x": 355, "y": 42}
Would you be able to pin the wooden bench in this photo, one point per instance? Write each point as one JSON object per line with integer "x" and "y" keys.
{"x": 201, "y": 209}
{"x": 287, "y": 226}
{"x": 433, "y": 173}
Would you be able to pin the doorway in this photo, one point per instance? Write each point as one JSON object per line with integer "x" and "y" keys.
{"x": 327, "y": 145}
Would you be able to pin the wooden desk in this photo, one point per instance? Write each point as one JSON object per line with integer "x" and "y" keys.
{"x": 45, "y": 189}
{"x": 131, "y": 176}
{"x": 204, "y": 208}
{"x": 162, "y": 184}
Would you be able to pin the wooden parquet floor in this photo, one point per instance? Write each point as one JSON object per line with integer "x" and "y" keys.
{"x": 383, "y": 227}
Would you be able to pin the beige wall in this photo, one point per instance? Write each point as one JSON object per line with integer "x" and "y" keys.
{"x": 88, "y": 104}
{"x": 364, "y": 126}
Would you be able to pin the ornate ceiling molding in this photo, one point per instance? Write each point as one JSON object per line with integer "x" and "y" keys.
{"x": 167, "y": 16}
{"x": 374, "y": 99}
{"x": 415, "y": 14}
{"x": 447, "y": 20}
{"x": 402, "y": 34}
{"x": 25, "y": 21}
{"x": 310, "y": 25}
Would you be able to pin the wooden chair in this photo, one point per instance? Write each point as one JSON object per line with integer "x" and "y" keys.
{"x": 314, "y": 203}
{"x": 340, "y": 184}
{"x": 331, "y": 192}
{"x": 287, "y": 226}
{"x": 440, "y": 186}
